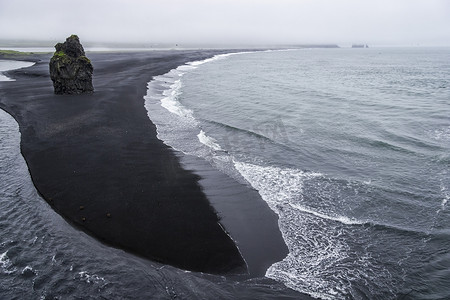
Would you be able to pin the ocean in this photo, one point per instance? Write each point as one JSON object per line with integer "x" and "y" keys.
{"x": 349, "y": 147}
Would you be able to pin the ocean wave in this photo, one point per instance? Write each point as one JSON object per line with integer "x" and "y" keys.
{"x": 341, "y": 219}
{"x": 259, "y": 137}
{"x": 383, "y": 144}
{"x": 229, "y": 127}
{"x": 275, "y": 184}
{"x": 171, "y": 103}
{"x": 6, "y": 265}
{"x": 440, "y": 134}
{"x": 174, "y": 120}
{"x": 29, "y": 272}
{"x": 415, "y": 142}
{"x": 284, "y": 186}
{"x": 225, "y": 55}
{"x": 208, "y": 141}
{"x": 373, "y": 224}
{"x": 214, "y": 58}
{"x": 94, "y": 279}
{"x": 318, "y": 245}
{"x": 445, "y": 195}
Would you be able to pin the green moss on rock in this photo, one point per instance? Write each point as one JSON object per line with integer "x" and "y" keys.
{"x": 70, "y": 69}
{"x": 85, "y": 59}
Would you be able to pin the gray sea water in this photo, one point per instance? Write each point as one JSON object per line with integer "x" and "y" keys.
{"x": 350, "y": 147}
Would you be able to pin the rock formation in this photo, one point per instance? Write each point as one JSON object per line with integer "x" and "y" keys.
{"x": 70, "y": 69}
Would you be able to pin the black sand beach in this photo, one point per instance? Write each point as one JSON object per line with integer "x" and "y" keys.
{"x": 96, "y": 160}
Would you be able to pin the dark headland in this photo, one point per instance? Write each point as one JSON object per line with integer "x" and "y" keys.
{"x": 96, "y": 160}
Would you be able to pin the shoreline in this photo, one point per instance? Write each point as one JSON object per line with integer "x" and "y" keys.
{"x": 61, "y": 138}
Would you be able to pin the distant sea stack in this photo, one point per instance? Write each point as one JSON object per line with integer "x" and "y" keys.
{"x": 70, "y": 69}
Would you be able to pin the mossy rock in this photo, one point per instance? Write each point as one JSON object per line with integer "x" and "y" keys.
{"x": 70, "y": 70}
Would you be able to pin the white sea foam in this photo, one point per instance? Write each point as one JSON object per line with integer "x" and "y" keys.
{"x": 174, "y": 122}
{"x": 28, "y": 271}
{"x": 446, "y": 195}
{"x": 341, "y": 219}
{"x": 86, "y": 277}
{"x": 5, "y": 264}
{"x": 276, "y": 185}
{"x": 444, "y": 202}
{"x": 284, "y": 186}
{"x": 214, "y": 58}
{"x": 441, "y": 134}
{"x": 208, "y": 141}
{"x": 315, "y": 254}
{"x": 171, "y": 103}
{"x": 368, "y": 182}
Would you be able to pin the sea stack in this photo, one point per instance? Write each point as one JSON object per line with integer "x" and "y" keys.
{"x": 70, "y": 69}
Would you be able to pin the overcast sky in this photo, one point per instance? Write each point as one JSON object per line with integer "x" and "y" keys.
{"x": 376, "y": 22}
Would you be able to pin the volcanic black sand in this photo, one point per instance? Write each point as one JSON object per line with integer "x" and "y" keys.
{"x": 96, "y": 160}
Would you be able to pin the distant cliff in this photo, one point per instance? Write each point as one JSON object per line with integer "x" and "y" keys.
{"x": 360, "y": 46}
{"x": 311, "y": 46}
{"x": 22, "y": 56}
{"x": 70, "y": 69}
